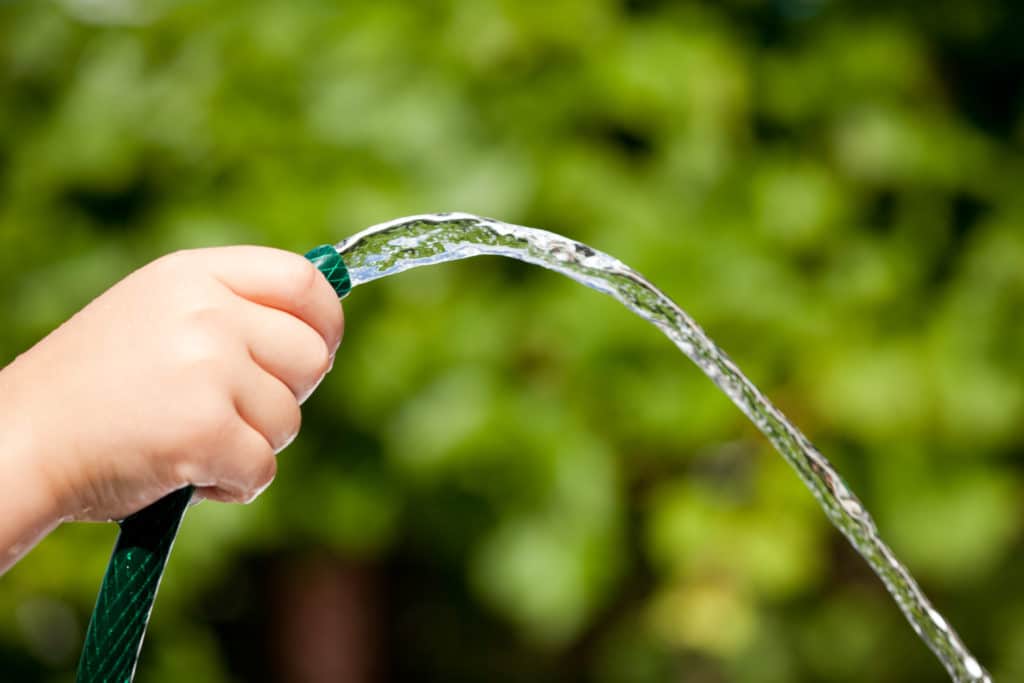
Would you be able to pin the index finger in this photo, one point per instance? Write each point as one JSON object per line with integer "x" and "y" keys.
{"x": 282, "y": 280}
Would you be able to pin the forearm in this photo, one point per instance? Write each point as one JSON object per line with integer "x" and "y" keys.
{"x": 28, "y": 505}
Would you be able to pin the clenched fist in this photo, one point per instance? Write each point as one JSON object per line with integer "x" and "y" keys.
{"x": 191, "y": 370}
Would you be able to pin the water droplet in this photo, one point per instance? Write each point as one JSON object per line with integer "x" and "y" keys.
{"x": 937, "y": 619}
{"x": 975, "y": 671}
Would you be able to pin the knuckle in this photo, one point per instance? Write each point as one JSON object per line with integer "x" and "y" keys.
{"x": 203, "y": 344}
{"x": 216, "y": 421}
{"x": 201, "y": 366}
{"x": 174, "y": 263}
{"x": 206, "y": 315}
{"x": 171, "y": 259}
{"x": 205, "y": 436}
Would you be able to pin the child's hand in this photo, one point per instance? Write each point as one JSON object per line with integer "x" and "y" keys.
{"x": 189, "y": 371}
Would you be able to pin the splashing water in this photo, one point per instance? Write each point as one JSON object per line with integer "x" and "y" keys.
{"x": 415, "y": 241}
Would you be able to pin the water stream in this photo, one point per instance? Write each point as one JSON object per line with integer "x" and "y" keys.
{"x": 415, "y": 241}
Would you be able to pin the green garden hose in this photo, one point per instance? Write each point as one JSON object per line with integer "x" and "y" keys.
{"x": 118, "y": 622}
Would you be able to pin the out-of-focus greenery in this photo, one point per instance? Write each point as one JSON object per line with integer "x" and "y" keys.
{"x": 545, "y": 489}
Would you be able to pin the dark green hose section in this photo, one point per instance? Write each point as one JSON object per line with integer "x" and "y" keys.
{"x": 126, "y": 596}
{"x": 118, "y": 622}
{"x": 328, "y": 261}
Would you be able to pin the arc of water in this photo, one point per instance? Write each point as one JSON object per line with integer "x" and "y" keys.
{"x": 428, "y": 239}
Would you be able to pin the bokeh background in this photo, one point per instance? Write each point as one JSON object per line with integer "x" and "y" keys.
{"x": 507, "y": 477}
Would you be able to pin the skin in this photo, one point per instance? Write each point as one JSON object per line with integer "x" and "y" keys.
{"x": 191, "y": 370}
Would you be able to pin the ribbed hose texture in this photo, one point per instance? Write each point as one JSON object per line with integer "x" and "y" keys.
{"x": 119, "y": 619}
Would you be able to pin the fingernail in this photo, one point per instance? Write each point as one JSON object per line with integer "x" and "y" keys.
{"x": 309, "y": 392}
{"x": 286, "y": 444}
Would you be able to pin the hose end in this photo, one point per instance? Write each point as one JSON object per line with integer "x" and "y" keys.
{"x": 329, "y": 262}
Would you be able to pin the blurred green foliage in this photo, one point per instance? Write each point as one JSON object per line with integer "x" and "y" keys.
{"x": 543, "y": 487}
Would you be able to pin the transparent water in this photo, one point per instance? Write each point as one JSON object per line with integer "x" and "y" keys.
{"x": 415, "y": 241}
